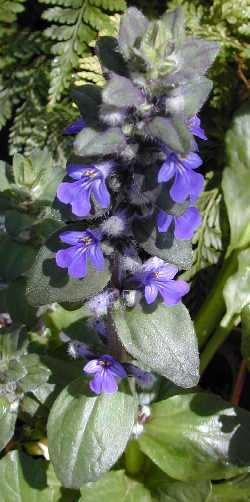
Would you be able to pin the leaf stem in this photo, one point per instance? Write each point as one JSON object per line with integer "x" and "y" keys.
{"x": 213, "y": 308}
{"x": 213, "y": 344}
{"x": 239, "y": 384}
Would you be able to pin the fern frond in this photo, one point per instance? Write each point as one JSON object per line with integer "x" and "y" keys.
{"x": 10, "y": 9}
{"x": 75, "y": 24}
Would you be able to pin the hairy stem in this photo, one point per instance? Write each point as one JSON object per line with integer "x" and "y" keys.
{"x": 212, "y": 310}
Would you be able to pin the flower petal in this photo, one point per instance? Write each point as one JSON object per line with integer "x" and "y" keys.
{"x": 109, "y": 383}
{"x": 76, "y": 171}
{"x": 101, "y": 193}
{"x": 78, "y": 267}
{"x": 92, "y": 366}
{"x": 81, "y": 202}
{"x": 187, "y": 223}
{"x": 65, "y": 256}
{"x": 96, "y": 383}
{"x": 180, "y": 189}
{"x": 168, "y": 169}
{"x": 151, "y": 293}
{"x": 164, "y": 221}
{"x": 173, "y": 291}
{"x": 196, "y": 183}
{"x": 96, "y": 257}
{"x": 75, "y": 127}
{"x": 192, "y": 161}
{"x": 66, "y": 192}
{"x": 71, "y": 237}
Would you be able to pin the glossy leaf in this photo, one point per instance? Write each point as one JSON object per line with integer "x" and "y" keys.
{"x": 88, "y": 98}
{"x": 161, "y": 338}
{"x": 110, "y": 58}
{"x": 24, "y": 479}
{"x": 171, "y": 132}
{"x": 88, "y": 433}
{"x": 164, "y": 245}
{"x": 91, "y": 143}
{"x": 237, "y": 288}
{"x": 8, "y": 417}
{"x": 115, "y": 486}
{"x": 236, "y": 490}
{"x": 197, "y": 436}
{"x": 236, "y": 178}
{"x": 48, "y": 283}
{"x": 15, "y": 258}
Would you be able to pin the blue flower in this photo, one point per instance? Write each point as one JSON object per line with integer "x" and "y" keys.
{"x": 75, "y": 127}
{"x": 107, "y": 372}
{"x": 186, "y": 182}
{"x": 157, "y": 276}
{"x": 83, "y": 246}
{"x": 90, "y": 178}
{"x": 194, "y": 125}
{"x": 185, "y": 224}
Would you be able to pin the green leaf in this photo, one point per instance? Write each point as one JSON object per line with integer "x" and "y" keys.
{"x": 197, "y": 436}
{"x": 167, "y": 489}
{"x": 163, "y": 339}
{"x": 174, "y": 23}
{"x": 88, "y": 99}
{"x": 245, "y": 334}
{"x": 8, "y": 416}
{"x": 133, "y": 25}
{"x": 15, "y": 258}
{"x": 24, "y": 479}
{"x": 237, "y": 490}
{"x": 172, "y": 132}
{"x": 121, "y": 92}
{"x": 236, "y": 178}
{"x": 16, "y": 303}
{"x": 164, "y": 245}
{"x": 236, "y": 291}
{"x": 13, "y": 342}
{"x": 48, "y": 283}
{"x": 115, "y": 486}
{"x": 188, "y": 98}
{"x": 91, "y": 143}
{"x": 87, "y": 433}
{"x": 110, "y": 58}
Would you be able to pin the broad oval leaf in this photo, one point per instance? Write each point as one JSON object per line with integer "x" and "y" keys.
{"x": 24, "y": 479}
{"x": 236, "y": 490}
{"x": 8, "y": 417}
{"x": 133, "y": 25}
{"x": 172, "y": 132}
{"x": 121, "y": 92}
{"x": 92, "y": 143}
{"x": 188, "y": 98}
{"x": 88, "y": 433}
{"x": 197, "y": 436}
{"x": 48, "y": 283}
{"x": 161, "y": 338}
{"x": 109, "y": 56}
{"x": 236, "y": 178}
{"x": 115, "y": 486}
{"x": 88, "y": 98}
{"x": 15, "y": 258}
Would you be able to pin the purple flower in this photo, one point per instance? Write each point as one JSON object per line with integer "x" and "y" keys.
{"x": 184, "y": 225}
{"x": 194, "y": 125}
{"x": 143, "y": 378}
{"x": 89, "y": 179}
{"x": 83, "y": 245}
{"x": 158, "y": 277}
{"x": 75, "y": 127}
{"x": 186, "y": 182}
{"x": 107, "y": 371}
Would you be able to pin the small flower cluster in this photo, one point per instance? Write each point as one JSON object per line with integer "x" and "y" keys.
{"x": 144, "y": 152}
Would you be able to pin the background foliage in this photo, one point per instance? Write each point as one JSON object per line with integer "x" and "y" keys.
{"x": 45, "y": 47}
